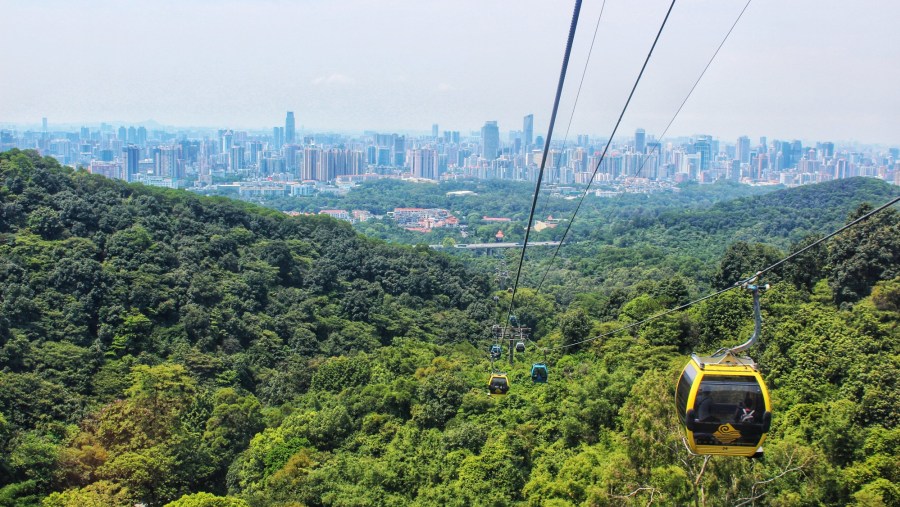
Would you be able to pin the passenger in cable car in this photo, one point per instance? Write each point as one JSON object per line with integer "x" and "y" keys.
{"x": 498, "y": 384}
{"x": 743, "y": 414}
{"x": 746, "y": 410}
{"x": 704, "y": 406}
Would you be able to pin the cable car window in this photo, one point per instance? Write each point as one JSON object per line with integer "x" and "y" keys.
{"x": 735, "y": 399}
{"x": 684, "y": 389}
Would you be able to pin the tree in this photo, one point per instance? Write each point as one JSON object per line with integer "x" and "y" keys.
{"x": 98, "y": 494}
{"x": 45, "y": 222}
{"x": 131, "y": 335}
{"x": 207, "y": 500}
{"x": 575, "y": 326}
{"x": 235, "y": 419}
{"x": 742, "y": 260}
{"x": 865, "y": 254}
{"x": 440, "y": 396}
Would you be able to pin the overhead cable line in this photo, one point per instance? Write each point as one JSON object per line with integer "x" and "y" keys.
{"x": 736, "y": 284}
{"x": 559, "y": 88}
{"x": 833, "y": 234}
{"x": 609, "y": 141}
{"x": 580, "y": 84}
{"x": 688, "y": 96}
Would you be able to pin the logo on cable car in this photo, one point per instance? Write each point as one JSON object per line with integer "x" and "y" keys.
{"x": 727, "y": 434}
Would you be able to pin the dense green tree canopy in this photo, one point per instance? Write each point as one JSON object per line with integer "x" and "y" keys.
{"x": 170, "y": 349}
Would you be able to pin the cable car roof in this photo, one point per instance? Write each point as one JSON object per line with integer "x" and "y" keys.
{"x": 725, "y": 362}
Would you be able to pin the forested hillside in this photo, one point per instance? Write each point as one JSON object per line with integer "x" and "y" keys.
{"x": 163, "y": 348}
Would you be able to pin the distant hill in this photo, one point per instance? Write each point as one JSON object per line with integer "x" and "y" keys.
{"x": 784, "y": 215}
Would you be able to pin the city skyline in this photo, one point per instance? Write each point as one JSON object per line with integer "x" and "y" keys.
{"x": 808, "y": 69}
{"x": 191, "y": 159}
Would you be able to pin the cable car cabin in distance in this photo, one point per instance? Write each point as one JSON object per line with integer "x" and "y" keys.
{"x": 539, "y": 373}
{"x": 498, "y": 383}
{"x": 724, "y": 405}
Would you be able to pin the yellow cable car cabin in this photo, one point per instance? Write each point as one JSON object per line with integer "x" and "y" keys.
{"x": 724, "y": 405}
{"x": 498, "y": 383}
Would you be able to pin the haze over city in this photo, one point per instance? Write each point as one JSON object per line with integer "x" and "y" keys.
{"x": 807, "y": 69}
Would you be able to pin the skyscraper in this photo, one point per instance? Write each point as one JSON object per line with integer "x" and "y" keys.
{"x": 703, "y": 146}
{"x": 640, "y": 140}
{"x": 292, "y": 158}
{"x": 786, "y": 162}
{"x": 236, "y": 159}
{"x": 528, "y": 131}
{"x": 434, "y": 130}
{"x": 226, "y": 140}
{"x": 289, "y": 126}
{"x": 796, "y": 152}
{"x": 399, "y": 151}
{"x": 132, "y": 159}
{"x": 310, "y": 169}
{"x": 424, "y": 163}
{"x": 742, "y": 152}
{"x": 490, "y": 140}
{"x": 278, "y": 137}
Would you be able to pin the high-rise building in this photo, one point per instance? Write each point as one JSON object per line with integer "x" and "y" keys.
{"x": 132, "y": 161}
{"x": 292, "y": 158}
{"x": 399, "y": 151}
{"x": 255, "y": 148}
{"x": 640, "y": 140}
{"x": 290, "y": 132}
{"x": 165, "y": 162}
{"x": 237, "y": 158}
{"x": 703, "y": 146}
{"x": 289, "y": 126}
{"x": 434, "y": 130}
{"x": 742, "y": 150}
{"x": 311, "y": 157}
{"x": 277, "y": 137}
{"x": 335, "y": 162}
{"x": 796, "y": 152}
{"x": 490, "y": 140}
{"x": 44, "y": 124}
{"x": 122, "y": 136}
{"x": 451, "y": 137}
{"x": 424, "y": 163}
{"x": 528, "y": 131}
{"x": 786, "y": 161}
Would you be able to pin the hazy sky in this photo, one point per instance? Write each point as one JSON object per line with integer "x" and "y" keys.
{"x": 808, "y": 69}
